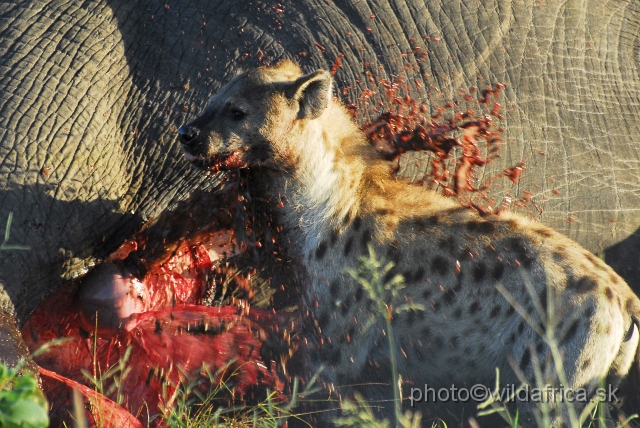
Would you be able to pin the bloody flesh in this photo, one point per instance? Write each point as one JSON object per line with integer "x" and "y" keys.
{"x": 174, "y": 262}
{"x": 175, "y": 336}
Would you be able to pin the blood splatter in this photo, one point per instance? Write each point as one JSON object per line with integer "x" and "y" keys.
{"x": 337, "y": 64}
{"x": 515, "y": 172}
{"x": 457, "y": 138}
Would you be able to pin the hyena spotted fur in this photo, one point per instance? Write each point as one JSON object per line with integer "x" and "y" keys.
{"x": 334, "y": 197}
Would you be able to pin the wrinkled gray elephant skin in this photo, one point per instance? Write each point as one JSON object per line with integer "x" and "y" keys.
{"x": 92, "y": 92}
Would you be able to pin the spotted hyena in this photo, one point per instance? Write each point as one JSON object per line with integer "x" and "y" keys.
{"x": 482, "y": 285}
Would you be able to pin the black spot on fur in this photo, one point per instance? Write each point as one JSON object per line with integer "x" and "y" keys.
{"x": 378, "y": 370}
{"x": 589, "y": 312}
{"x": 479, "y": 271}
{"x": 495, "y": 311}
{"x": 334, "y": 237}
{"x": 525, "y": 360}
{"x": 330, "y": 353}
{"x": 521, "y": 327}
{"x": 479, "y": 226}
{"x": 351, "y": 331}
{"x": 454, "y": 342}
{"x": 334, "y": 287}
{"x": 586, "y": 363}
{"x": 426, "y": 333}
{"x": 458, "y": 286}
{"x": 321, "y": 250}
{"x": 518, "y": 246}
{"x": 583, "y": 285}
{"x": 558, "y": 257}
{"x": 608, "y": 293}
{"x": 448, "y": 244}
{"x": 510, "y": 310}
{"x": 539, "y": 348}
{"x": 348, "y": 245}
{"x": 413, "y": 314}
{"x": 436, "y": 306}
{"x": 365, "y": 238}
{"x": 357, "y": 223}
{"x": 593, "y": 259}
{"x": 424, "y": 225}
{"x": 457, "y": 313}
{"x": 465, "y": 254}
{"x": 449, "y": 296}
{"x": 344, "y": 309}
{"x": 571, "y": 333}
{"x": 438, "y": 342}
{"x": 369, "y": 305}
{"x": 498, "y": 271}
{"x": 475, "y": 307}
{"x": 358, "y": 294}
{"x": 426, "y": 293}
{"x": 559, "y": 254}
{"x": 323, "y": 319}
{"x": 393, "y": 253}
{"x": 440, "y": 265}
{"x": 411, "y": 277}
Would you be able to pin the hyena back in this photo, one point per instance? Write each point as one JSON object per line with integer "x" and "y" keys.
{"x": 484, "y": 287}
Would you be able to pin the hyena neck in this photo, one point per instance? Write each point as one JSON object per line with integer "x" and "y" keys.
{"x": 323, "y": 187}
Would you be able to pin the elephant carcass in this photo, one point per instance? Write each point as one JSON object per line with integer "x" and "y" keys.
{"x": 92, "y": 92}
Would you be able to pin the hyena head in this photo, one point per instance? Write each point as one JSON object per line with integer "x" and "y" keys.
{"x": 253, "y": 120}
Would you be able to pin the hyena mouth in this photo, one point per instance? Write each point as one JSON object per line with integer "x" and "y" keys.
{"x": 220, "y": 162}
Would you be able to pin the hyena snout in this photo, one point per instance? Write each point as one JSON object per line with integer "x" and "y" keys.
{"x": 188, "y": 136}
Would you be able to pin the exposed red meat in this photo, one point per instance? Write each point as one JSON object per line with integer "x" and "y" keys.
{"x": 169, "y": 336}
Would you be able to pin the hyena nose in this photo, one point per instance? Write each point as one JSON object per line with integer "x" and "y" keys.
{"x": 188, "y": 135}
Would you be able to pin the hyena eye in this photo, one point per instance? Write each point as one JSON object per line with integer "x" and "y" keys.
{"x": 237, "y": 114}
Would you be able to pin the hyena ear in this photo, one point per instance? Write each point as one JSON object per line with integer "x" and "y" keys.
{"x": 313, "y": 92}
